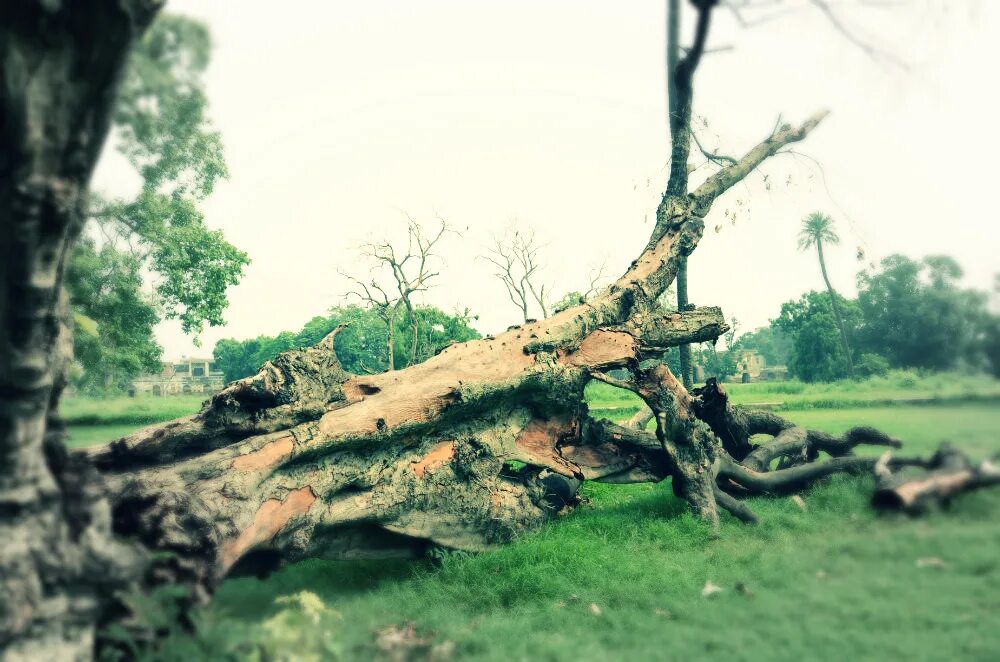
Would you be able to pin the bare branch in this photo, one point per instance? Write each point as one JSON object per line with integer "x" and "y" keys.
{"x": 518, "y": 266}
{"x": 723, "y": 180}
{"x": 868, "y": 49}
{"x": 411, "y": 273}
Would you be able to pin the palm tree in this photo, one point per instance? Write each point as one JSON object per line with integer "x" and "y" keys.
{"x": 817, "y": 229}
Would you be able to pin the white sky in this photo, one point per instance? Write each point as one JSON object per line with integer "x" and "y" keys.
{"x": 336, "y": 116}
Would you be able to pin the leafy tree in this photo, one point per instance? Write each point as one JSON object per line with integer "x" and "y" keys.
{"x": 817, "y": 229}
{"x": 817, "y": 353}
{"x": 106, "y": 283}
{"x": 991, "y": 344}
{"x": 162, "y": 128}
{"x": 915, "y": 314}
{"x": 236, "y": 358}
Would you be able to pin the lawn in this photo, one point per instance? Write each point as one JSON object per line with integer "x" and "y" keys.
{"x": 895, "y": 388}
{"x": 622, "y": 578}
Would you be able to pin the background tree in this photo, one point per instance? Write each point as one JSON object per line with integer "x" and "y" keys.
{"x": 106, "y": 285}
{"x": 817, "y": 230}
{"x": 161, "y": 126}
{"x": 915, "y": 314}
{"x": 576, "y": 297}
{"x": 817, "y": 353}
{"x": 679, "y": 120}
{"x": 518, "y": 266}
{"x": 410, "y": 273}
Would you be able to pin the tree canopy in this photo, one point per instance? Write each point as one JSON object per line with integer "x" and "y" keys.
{"x": 173, "y": 264}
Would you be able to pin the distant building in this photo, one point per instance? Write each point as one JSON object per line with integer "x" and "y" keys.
{"x": 749, "y": 364}
{"x": 188, "y": 375}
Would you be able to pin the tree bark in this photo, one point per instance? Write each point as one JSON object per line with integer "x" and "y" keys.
{"x": 679, "y": 104}
{"x": 61, "y": 63}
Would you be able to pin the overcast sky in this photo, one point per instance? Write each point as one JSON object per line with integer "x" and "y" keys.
{"x": 337, "y": 117}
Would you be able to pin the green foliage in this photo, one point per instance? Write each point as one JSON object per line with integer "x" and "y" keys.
{"x": 161, "y": 112}
{"x": 916, "y": 315}
{"x": 361, "y": 346}
{"x": 716, "y": 363}
{"x": 161, "y": 126}
{"x": 817, "y": 353}
{"x": 117, "y": 341}
{"x": 990, "y": 344}
{"x": 871, "y": 365}
{"x": 193, "y": 265}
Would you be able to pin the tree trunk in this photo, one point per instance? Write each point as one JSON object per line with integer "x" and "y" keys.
{"x": 684, "y": 351}
{"x": 61, "y": 67}
{"x": 950, "y": 473}
{"x": 679, "y": 121}
{"x": 836, "y": 309}
{"x": 390, "y": 343}
{"x": 413, "y": 344}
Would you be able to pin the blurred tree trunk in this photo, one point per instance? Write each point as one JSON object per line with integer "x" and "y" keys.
{"x": 679, "y": 123}
{"x": 61, "y": 62}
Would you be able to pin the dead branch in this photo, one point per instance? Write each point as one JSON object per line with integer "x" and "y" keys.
{"x": 516, "y": 258}
{"x": 410, "y": 272}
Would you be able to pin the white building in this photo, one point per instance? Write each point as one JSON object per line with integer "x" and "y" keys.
{"x": 188, "y": 375}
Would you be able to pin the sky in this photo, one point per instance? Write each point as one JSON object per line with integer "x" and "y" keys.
{"x": 340, "y": 118}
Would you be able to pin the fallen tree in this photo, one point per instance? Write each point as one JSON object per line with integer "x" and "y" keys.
{"x": 486, "y": 440}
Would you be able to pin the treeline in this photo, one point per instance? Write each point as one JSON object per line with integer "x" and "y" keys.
{"x": 363, "y": 346}
{"x": 909, "y": 314}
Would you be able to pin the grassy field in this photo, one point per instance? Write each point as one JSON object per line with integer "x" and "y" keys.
{"x": 622, "y": 578}
{"x": 93, "y": 420}
{"x": 896, "y": 388}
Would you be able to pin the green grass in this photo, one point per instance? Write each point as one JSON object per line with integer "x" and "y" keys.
{"x": 140, "y": 410}
{"x": 836, "y": 582}
{"x": 846, "y": 394}
{"x": 99, "y": 420}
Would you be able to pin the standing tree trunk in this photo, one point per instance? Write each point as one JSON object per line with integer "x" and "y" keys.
{"x": 836, "y": 310}
{"x": 413, "y": 344}
{"x": 679, "y": 120}
{"x": 390, "y": 342}
{"x": 61, "y": 63}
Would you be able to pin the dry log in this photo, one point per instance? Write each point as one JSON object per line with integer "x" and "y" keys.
{"x": 950, "y": 473}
